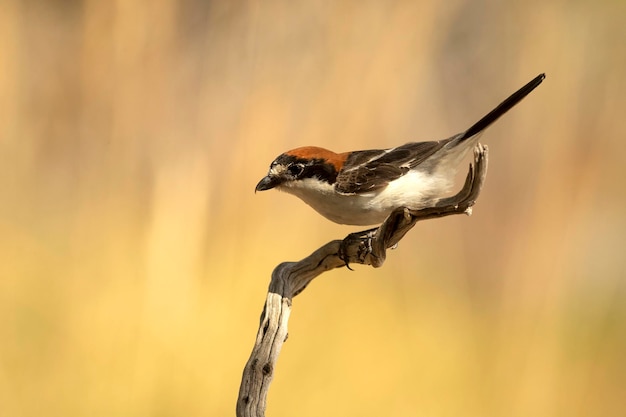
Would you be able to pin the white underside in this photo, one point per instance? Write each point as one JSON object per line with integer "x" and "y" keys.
{"x": 414, "y": 190}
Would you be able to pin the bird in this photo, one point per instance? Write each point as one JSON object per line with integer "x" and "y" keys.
{"x": 363, "y": 187}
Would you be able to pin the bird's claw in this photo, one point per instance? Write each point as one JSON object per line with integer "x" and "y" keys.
{"x": 363, "y": 242}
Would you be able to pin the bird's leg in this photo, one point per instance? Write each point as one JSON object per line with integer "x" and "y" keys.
{"x": 362, "y": 241}
{"x": 370, "y": 246}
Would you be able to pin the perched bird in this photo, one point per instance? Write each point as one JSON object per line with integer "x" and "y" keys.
{"x": 364, "y": 187}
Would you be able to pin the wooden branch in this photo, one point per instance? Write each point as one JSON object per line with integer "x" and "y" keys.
{"x": 368, "y": 247}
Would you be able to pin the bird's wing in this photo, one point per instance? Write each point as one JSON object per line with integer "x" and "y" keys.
{"x": 366, "y": 171}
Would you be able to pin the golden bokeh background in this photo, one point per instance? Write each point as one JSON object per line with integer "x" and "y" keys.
{"x": 135, "y": 256}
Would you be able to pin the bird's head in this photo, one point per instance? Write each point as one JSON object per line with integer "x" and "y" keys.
{"x": 292, "y": 168}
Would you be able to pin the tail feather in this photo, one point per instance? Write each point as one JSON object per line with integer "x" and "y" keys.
{"x": 502, "y": 108}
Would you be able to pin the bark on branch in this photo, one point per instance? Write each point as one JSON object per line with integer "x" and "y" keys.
{"x": 368, "y": 247}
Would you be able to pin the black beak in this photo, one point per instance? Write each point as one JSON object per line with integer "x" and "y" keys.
{"x": 267, "y": 183}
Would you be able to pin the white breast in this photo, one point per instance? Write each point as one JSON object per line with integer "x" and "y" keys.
{"x": 414, "y": 190}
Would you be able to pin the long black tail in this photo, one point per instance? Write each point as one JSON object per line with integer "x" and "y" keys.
{"x": 502, "y": 108}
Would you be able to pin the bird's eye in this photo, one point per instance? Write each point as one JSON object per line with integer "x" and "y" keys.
{"x": 295, "y": 169}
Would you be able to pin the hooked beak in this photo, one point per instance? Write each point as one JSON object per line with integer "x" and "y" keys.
{"x": 267, "y": 183}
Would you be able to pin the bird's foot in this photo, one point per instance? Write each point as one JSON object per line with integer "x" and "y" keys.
{"x": 356, "y": 247}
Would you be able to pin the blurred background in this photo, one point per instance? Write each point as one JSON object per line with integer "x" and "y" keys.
{"x": 135, "y": 256}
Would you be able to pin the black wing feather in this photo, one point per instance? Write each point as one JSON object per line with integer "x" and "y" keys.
{"x": 371, "y": 170}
